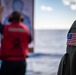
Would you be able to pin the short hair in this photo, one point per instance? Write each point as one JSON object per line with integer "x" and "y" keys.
{"x": 16, "y": 17}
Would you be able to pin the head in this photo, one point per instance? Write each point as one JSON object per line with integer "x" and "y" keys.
{"x": 16, "y": 17}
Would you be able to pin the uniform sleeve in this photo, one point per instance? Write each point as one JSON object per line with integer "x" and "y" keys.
{"x": 1, "y": 28}
{"x": 1, "y": 32}
{"x": 0, "y": 53}
{"x": 29, "y": 34}
{"x": 72, "y": 27}
{"x": 30, "y": 38}
{"x": 74, "y": 24}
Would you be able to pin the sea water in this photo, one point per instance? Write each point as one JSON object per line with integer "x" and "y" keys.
{"x": 50, "y": 46}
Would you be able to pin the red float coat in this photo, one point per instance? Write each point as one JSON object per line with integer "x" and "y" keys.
{"x": 16, "y": 37}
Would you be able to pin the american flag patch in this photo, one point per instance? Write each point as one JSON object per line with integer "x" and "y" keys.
{"x": 71, "y": 39}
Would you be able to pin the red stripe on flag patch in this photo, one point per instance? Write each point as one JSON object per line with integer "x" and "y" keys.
{"x": 71, "y": 40}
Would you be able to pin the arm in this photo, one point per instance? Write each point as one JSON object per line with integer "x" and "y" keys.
{"x": 1, "y": 31}
{"x": 30, "y": 39}
{"x": 1, "y": 28}
{"x": 72, "y": 27}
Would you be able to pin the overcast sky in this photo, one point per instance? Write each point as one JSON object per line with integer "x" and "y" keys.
{"x": 54, "y": 14}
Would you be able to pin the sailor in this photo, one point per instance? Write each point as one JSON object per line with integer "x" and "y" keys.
{"x": 71, "y": 48}
{"x": 14, "y": 46}
{"x": 67, "y": 64}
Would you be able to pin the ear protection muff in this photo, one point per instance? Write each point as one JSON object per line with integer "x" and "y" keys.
{"x": 10, "y": 18}
{"x": 21, "y": 18}
{"x": 15, "y": 16}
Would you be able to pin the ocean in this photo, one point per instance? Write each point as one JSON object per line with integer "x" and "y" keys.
{"x": 49, "y": 47}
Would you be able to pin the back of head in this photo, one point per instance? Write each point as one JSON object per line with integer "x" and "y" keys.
{"x": 16, "y": 17}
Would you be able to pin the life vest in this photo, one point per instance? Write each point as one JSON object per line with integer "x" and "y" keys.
{"x": 15, "y": 42}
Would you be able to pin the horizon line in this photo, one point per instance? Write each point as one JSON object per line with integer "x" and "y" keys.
{"x": 51, "y": 29}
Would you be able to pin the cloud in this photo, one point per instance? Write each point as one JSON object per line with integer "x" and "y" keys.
{"x": 46, "y": 8}
{"x": 72, "y": 0}
{"x": 73, "y": 6}
{"x": 70, "y": 3}
{"x": 66, "y": 2}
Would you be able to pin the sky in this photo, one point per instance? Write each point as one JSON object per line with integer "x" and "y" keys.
{"x": 54, "y": 14}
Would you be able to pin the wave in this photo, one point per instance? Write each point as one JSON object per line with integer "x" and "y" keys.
{"x": 34, "y": 55}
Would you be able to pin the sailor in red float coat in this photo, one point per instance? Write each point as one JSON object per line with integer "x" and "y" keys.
{"x": 15, "y": 42}
{"x": 14, "y": 47}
